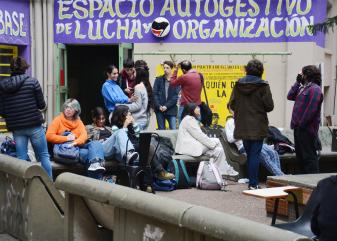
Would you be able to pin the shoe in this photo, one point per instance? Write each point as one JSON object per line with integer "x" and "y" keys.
{"x": 110, "y": 179}
{"x": 149, "y": 189}
{"x": 253, "y": 187}
{"x": 164, "y": 175}
{"x": 132, "y": 158}
{"x": 231, "y": 175}
{"x": 96, "y": 166}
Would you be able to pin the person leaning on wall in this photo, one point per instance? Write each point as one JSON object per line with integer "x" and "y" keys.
{"x": 21, "y": 104}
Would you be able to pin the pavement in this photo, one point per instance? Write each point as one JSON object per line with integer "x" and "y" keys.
{"x": 231, "y": 202}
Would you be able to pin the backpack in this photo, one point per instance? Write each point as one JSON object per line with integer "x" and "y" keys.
{"x": 8, "y": 147}
{"x": 65, "y": 153}
{"x": 208, "y": 177}
{"x": 164, "y": 185}
{"x": 178, "y": 168}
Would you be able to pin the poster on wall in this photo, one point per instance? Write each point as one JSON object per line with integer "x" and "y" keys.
{"x": 199, "y": 21}
{"x": 14, "y": 22}
{"x": 219, "y": 84}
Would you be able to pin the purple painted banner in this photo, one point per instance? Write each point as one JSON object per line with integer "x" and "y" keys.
{"x": 14, "y": 22}
{"x": 202, "y": 21}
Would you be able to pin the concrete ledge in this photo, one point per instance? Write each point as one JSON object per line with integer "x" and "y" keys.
{"x": 168, "y": 214}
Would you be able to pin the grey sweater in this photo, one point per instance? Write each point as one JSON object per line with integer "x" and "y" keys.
{"x": 139, "y": 108}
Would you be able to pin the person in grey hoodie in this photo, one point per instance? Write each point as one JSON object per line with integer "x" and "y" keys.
{"x": 21, "y": 103}
{"x": 324, "y": 218}
{"x": 251, "y": 99}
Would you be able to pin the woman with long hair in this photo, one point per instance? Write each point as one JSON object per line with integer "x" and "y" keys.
{"x": 140, "y": 109}
{"x": 192, "y": 141}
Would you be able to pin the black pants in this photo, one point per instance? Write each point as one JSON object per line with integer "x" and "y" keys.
{"x": 306, "y": 146}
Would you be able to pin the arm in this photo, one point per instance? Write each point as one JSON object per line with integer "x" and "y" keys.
{"x": 293, "y": 92}
{"x": 313, "y": 105}
{"x": 195, "y": 131}
{"x": 52, "y": 135}
{"x": 156, "y": 94}
{"x": 80, "y": 140}
{"x": 137, "y": 105}
{"x": 175, "y": 81}
{"x": 229, "y": 129}
{"x": 174, "y": 98}
{"x": 267, "y": 99}
{"x": 41, "y": 104}
{"x": 114, "y": 95}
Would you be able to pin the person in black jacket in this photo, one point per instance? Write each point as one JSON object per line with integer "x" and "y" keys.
{"x": 324, "y": 219}
{"x": 165, "y": 98}
{"x": 21, "y": 103}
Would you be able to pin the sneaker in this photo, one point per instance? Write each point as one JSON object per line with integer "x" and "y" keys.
{"x": 149, "y": 189}
{"x": 232, "y": 172}
{"x": 132, "y": 158}
{"x": 253, "y": 187}
{"x": 110, "y": 179}
{"x": 96, "y": 166}
{"x": 164, "y": 175}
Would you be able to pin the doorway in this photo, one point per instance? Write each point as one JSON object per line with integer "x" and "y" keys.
{"x": 86, "y": 74}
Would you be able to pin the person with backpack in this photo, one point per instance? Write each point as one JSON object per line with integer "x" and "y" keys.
{"x": 193, "y": 142}
{"x": 251, "y": 100}
{"x": 21, "y": 104}
{"x": 191, "y": 85}
{"x": 90, "y": 153}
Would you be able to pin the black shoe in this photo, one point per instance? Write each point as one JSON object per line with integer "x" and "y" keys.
{"x": 132, "y": 158}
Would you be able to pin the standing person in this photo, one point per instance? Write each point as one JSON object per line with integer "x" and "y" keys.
{"x": 112, "y": 92}
{"x": 165, "y": 98}
{"x": 127, "y": 82}
{"x": 91, "y": 153}
{"x": 308, "y": 97}
{"x": 251, "y": 99}
{"x": 190, "y": 83}
{"x": 192, "y": 141}
{"x": 21, "y": 103}
{"x": 140, "y": 109}
{"x": 324, "y": 218}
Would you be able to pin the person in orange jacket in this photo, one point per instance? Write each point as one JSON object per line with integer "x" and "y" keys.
{"x": 91, "y": 153}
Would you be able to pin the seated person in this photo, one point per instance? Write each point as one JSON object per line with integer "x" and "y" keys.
{"x": 122, "y": 121}
{"x": 91, "y": 153}
{"x": 192, "y": 141}
{"x": 324, "y": 218}
{"x": 98, "y": 131}
{"x": 268, "y": 157}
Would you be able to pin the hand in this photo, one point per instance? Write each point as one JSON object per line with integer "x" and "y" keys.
{"x": 164, "y": 108}
{"x": 161, "y": 108}
{"x": 133, "y": 98}
{"x": 71, "y": 137}
{"x": 299, "y": 78}
{"x": 127, "y": 90}
{"x": 128, "y": 120}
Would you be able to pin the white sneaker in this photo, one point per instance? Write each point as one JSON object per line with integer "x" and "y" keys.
{"x": 231, "y": 172}
{"x": 96, "y": 166}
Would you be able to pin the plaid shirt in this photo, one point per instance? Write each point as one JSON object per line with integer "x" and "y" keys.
{"x": 307, "y": 108}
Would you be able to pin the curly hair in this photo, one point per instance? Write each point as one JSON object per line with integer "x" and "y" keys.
{"x": 18, "y": 66}
{"x": 74, "y": 104}
{"x": 119, "y": 116}
{"x": 312, "y": 74}
{"x": 255, "y": 68}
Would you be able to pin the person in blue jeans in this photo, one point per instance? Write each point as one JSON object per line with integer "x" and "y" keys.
{"x": 165, "y": 98}
{"x": 91, "y": 153}
{"x": 21, "y": 104}
{"x": 251, "y": 100}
